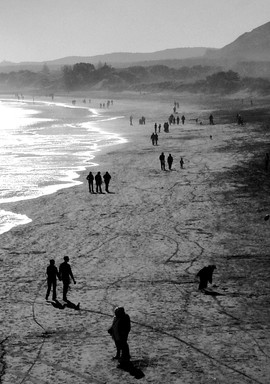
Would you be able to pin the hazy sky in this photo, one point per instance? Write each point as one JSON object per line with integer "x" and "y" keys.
{"x": 40, "y": 30}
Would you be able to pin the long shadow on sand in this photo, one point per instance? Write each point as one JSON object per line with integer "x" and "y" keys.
{"x": 67, "y": 304}
{"x": 132, "y": 368}
{"x": 212, "y": 293}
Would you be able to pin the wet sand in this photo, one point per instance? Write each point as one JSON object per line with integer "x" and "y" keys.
{"x": 140, "y": 247}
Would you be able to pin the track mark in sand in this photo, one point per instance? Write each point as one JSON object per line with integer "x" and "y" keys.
{"x": 157, "y": 330}
{"x": 27, "y": 374}
{"x": 44, "y": 335}
{"x": 223, "y": 310}
{"x": 87, "y": 377}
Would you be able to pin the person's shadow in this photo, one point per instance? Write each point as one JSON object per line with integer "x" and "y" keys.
{"x": 212, "y": 293}
{"x": 67, "y": 304}
{"x": 132, "y": 369}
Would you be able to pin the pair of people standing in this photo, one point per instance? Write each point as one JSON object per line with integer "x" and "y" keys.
{"x": 64, "y": 275}
{"x": 162, "y": 161}
{"x": 154, "y": 138}
{"x": 98, "y": 181}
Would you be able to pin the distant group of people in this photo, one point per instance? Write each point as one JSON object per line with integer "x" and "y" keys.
{"x": 107, "y": 104}
{"x": 169, "y": 161}
{"x": 176, "y": 120}
{"x": 98, "y": 182}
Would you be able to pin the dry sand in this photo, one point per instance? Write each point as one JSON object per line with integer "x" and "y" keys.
{"x": 141, "y": 247}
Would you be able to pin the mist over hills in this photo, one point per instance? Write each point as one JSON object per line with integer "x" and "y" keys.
{"x": 251, "y": 47}
{"x": 242, "y": 65}
{"x": 116, "y": 59}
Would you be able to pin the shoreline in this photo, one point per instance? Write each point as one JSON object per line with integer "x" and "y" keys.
{"x": 74, "y": 180}
{"x": 140, "y": 247}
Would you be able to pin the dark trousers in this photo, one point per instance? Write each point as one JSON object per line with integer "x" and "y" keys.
{"x": 65, "y": 289}
{"x": 51, "y": 283}
{"x": 98, "y": 188}
{"x": 203, "y": 283}
{"x": 122, "y": 346}
{"x": 107, "y": 187}
{"x": 91, "y": 187}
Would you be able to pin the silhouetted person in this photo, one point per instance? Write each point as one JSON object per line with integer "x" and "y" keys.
{"x": 206, "y": 275}
{"x": 211, "y": 119}
{"x": 107, "y": 177}
{"x": 131, "y": 120}
{"x": 162, "y": 161}
{"x": 166, "y": 126}
{"x": 152, "y": 137}
{"x": 181, "y": 162}
{"x": 159, "y": 128}
{"x": 170, "y": 161}
{"x": 183, "y": 119}
{"x": 66, "y": 274}
{"x": 52, "y": 274}
{"x": 155, "y": 127}
{"x": 177, "y": 120}
{"x": 98, "y": 180}
{"x": 156, "y": 138}
{"x": 119, "y": 331}
{"x": 90, "y": 179}
{"x": 240, "y": 120}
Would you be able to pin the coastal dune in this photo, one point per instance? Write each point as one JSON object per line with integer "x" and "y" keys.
{"x": 140, "y": 247}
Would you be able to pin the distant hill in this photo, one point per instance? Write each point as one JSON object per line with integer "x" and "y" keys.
{"x": 251, "y": 46}
{"x": 128, "y": 58}
{"x": 249, "y": 55}
{"x": 116, "y": 59}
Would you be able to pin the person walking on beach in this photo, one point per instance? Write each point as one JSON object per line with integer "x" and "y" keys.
{"x": 183, "y": 119}
{"x": 162, "y": 161}
{"x": 52, "y": 274}
{"x": 90, "y": 179}
{"x": 170, "y": 161}
{"x": 181, "y": 162}
{"x": 107, "y": 178}
{"x": 131, "y": 120}
{"x": 98, "y": 181}
{"x": 211, "y": 119}
{"x": 156, "y": 139}
{"x": 65, "y": 273}
{"x": 159, "y": 128}
{"x": 205, "y": 275}
{"x": 119, "y": 331}
{"x": 152, "y": 137}
{"x": 155, "y": 127}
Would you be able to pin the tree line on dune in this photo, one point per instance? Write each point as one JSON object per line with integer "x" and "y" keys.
{"x": 156, "y": 78}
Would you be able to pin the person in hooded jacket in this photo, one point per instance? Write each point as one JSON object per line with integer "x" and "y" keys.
{"x": 107, "y": 178}
{"x": 119, "y": 331}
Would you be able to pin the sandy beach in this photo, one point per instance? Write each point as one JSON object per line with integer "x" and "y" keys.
{"x": 140, "y": 247}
